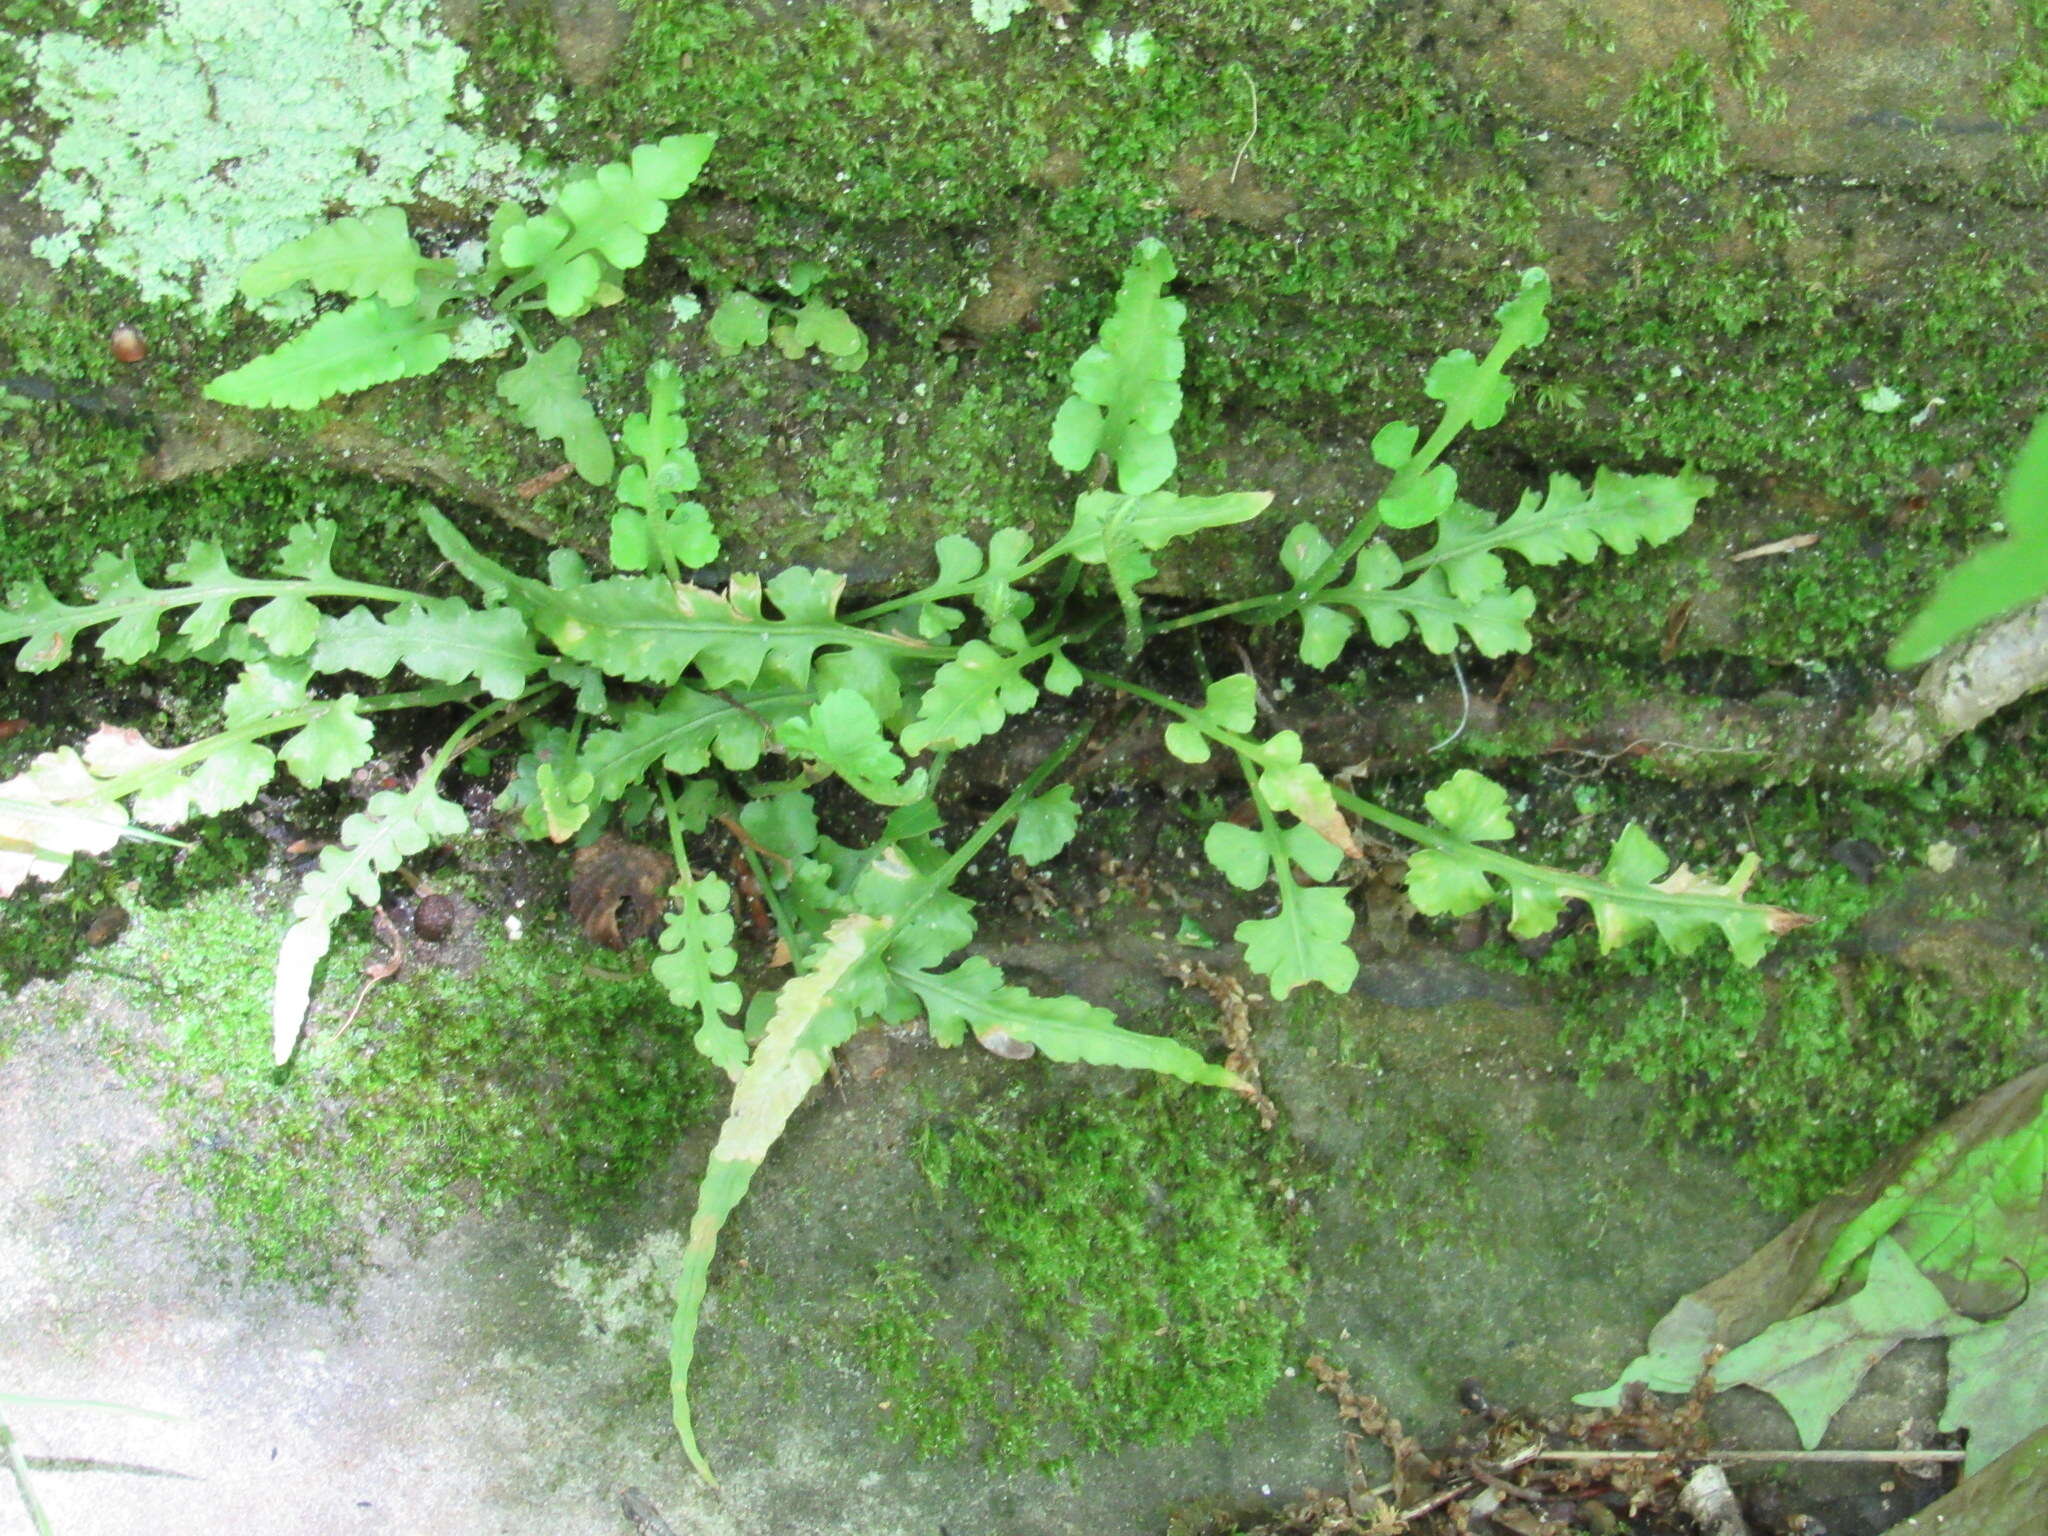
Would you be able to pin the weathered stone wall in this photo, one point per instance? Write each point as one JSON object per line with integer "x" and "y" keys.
{"x": 1757, "y": 215}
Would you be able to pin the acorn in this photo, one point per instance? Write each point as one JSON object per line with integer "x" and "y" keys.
{"x": 434, "y": 919}
{"x": 127, "y": 345}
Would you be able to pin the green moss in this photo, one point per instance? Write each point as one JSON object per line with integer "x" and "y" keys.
{"x": 1752, "y": 34}
{"x": 2021, "y": 92}
{"x": 1732, "y": 366}
{"x": 1809, "y": 1067}
{"x": 1147, "y": 1279}
{"x": 1677, "y": 127}
{"x": 533, "y": 1081}
{"x": 1416, "y": 1179}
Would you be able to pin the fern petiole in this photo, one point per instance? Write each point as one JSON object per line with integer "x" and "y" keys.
{"x": 516, "y": 710}
{"x": 472, "y": 731}
{"x": 953, "y": 589}
{"x": 1070, "y": 577}
{"x": 943, "y": 877}
{"x": 1584, "y": 887}
{"x": 791, "y": 932}
{"x": 137, "y": 778}
{"x": 1220, "y": 611}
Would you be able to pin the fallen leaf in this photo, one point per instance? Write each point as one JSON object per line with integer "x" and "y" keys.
{"x": 1998, "y": 1382}
{"x": 1813, "y": 1363}
{"x": 1962, "y": 1199}
{"x": 618, "y": 890}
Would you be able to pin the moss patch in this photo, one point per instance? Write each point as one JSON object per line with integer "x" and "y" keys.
{"x": 1147, "y": 1273}
{"x": 1809, "y": 1067}
{"x": 1677, "y": 127}
{"x": 533, "y": 1081}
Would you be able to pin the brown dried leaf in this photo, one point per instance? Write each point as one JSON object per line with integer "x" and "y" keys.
{"x": 1235, "y": 1008}
{"x": 1414, "y": 1475}
{"x": 618, "y": 890}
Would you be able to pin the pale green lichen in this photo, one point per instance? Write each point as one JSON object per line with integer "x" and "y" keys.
{"x": 995, "y": 15}
{"x": 626, "y": 1295}
{"x": 226, "y": 130}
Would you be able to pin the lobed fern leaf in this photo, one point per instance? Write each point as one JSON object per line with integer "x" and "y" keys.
{"x": 441, "y": 638}
{"x": 1494, "y": 617}
{"x": 815, "y": 1013}
{"x": 655, "y": 526}
{"x": 546, "y": 394}
{"x": 684, "y": 732}
{"x": 602, "y": 219}
{"x": 842, "y": 733}
{"x": 61, "y": 806}
{"x": 1637, "y": 892}
{"x": 696, "y": 964}
{"x": 371, "y": 342}
{"x": 975, "y": 995}
{"x": 1127, "y": 386}
{"x": 369, "y": 257}
{"x": 970, "y": 697}
{"x": 646, "y": 630}
{"x": 1619, "y": 511}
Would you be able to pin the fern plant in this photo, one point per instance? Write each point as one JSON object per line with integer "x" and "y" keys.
{"x": 567, "y": 260}
{"x": 746, "y": 718}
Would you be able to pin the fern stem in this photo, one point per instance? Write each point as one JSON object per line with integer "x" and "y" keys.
{"x": 947, "y": 873}
{"x": 1585, "y": 887}
{"x": 1210, "y": 615}
{"x": 946, "y": 593}
{"x": 291, "y": 720}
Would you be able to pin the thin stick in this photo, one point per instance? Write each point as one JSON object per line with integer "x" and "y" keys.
{"x": 1460, "y": 1489}
{"x": 1812, "y": 1456}
{"x": 1245, "y": 148}
{"x": 1532, "y": 1454}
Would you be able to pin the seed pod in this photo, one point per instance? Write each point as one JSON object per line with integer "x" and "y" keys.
{"x": 1006, "y": 1045}
{"x": 434, "y": 919}
{"x": 107, "y": 925}
{"x": 127, "y": 345}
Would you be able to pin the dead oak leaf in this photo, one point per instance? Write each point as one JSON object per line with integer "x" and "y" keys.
{"x": 618, "y": 890}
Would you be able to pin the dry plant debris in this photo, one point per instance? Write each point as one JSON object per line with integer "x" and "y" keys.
{"x": 616, "y": 890}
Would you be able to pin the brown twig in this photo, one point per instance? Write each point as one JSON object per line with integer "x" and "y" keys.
{"x": 1806, "y": 1456}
